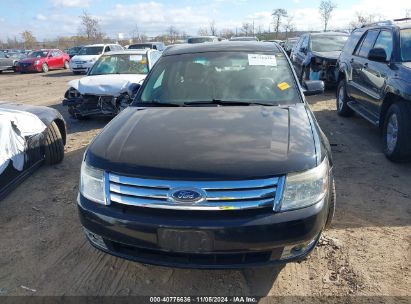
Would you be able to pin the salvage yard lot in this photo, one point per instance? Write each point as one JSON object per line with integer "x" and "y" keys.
{"x": 367, "y": 251}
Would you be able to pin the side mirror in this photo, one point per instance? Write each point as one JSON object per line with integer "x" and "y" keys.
{"x": 377, "y": 54}
{"x": 313, "y": 87}
{"x": 133, "y": 89}
{"x": 7, "y": 55}
{"x": 303, "y": 50}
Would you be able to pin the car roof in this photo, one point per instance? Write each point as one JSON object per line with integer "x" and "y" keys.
{"x": 223, "y": 46}
{"x": 329, "y": 34}
{"x": 100, "y": 44}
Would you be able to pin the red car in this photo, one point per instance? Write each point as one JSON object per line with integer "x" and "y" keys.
{"x": 43, "y": 61}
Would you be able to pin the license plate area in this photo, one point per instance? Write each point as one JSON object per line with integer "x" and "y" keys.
{"x": 192, "y": 241}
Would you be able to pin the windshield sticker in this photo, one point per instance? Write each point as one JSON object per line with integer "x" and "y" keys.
{"x": 136, "y": 57}
{"x": 283, "y": 86}
{"x": 258, "y": 59}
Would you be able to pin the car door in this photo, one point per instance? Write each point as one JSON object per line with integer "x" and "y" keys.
{"x": 52, "y": 60}
{"x": 374, "y": 73}
{"x": 300, "y": 54}
{"x": 59, "y": 59}
{"x": 358, "y": 62}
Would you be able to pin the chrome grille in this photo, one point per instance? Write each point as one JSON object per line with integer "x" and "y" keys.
{"x": 219, "y": 195}
{"x": 80, "y": 62}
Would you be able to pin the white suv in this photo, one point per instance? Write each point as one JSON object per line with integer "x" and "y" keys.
{"x": 89, "y": 54}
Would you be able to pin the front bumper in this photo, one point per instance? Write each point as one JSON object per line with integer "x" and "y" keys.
{"x": 28, "y": 68}
{"x": 194, "y": 239}
{"x": 83, "y": 67}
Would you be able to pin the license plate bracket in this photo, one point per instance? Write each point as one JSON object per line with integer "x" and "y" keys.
{"x": 179, "y": 240}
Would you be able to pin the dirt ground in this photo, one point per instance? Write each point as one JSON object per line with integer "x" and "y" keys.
{"x": 366, "y": 253}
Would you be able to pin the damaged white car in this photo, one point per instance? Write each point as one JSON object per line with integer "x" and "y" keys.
{"x": 110, "y": 85}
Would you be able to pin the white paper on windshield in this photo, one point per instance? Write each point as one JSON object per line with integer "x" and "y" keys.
{"x": 259, "y": 59}
{"x": 136, "y": 57}
{"x": 14, "y": 126}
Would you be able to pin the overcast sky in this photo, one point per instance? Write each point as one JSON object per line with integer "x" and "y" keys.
{"x": 51, "y": 18}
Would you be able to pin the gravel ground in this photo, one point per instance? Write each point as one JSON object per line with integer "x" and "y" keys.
{"x": 365, "y": 253}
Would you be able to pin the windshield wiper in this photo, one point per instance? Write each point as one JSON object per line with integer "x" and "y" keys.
{"x": 157, "y": 103}
{"x": 221, "y": 102}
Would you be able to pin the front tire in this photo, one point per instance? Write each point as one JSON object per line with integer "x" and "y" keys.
{"x": 397, "y": 132}
{"x": 342, "y": 100}
{"x": 44, "y": 68}
{"x": 331, "y": 208}
{"x": 54, "y": 147}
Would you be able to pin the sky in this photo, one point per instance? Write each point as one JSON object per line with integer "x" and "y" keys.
{"x": 48, "y": 19}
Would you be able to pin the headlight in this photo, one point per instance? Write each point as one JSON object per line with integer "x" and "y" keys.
{"x": 92, "y": 184}
{"x": 92, "y": 60}
{"x": 36, "y": 62}
{"x": 305, "y": 188}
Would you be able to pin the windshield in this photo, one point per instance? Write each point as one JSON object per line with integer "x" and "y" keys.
{"x": 121, "y": 64}
{"x": 243, "y": 39}
{"x": 200, "y": 40}
{"x": 406, "y": 45}
{"x": 239, "y": 77}
{"x": 140, "y": 46}
{"x": 37, "y": 54}
{"x": 323, "y": 43}
{"x": 91, "y": 50}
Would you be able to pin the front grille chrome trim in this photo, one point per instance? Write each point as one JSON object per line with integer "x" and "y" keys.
{"x": 219, "y": 195}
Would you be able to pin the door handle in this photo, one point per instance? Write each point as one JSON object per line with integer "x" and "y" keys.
{"x": 365, "y": 65}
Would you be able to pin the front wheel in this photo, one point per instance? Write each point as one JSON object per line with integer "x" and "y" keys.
{"x": 54, "y": 147}
{"x": 44, "y": 68}
{"x": 397, "y": 132}
{"x": 342, "y": 100}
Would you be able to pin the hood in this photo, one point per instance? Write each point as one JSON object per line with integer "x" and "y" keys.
{"x": 407, "y": 64}
{"x": 206, "y": 142}
{"x": 327, "y": 55}
{"x": 31, "y": 59}
{"x": 112, "y": 85}
{"x": 84, "y": 57}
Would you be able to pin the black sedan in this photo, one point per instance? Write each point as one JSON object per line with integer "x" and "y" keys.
{"x": 29, "y": 137}
{"x": 218, "y": 163}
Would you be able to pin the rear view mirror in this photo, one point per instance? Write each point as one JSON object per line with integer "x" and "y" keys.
{"x": 313, "y": 87}
{"x": 377, "y": 54}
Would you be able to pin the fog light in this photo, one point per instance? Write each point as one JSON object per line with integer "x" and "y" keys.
{"x": 297, "y": 250}
{"x": 95, "y": 239}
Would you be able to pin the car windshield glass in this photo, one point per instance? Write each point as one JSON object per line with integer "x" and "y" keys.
{"x": 91, "y": 50}
{"x": 324, "y": 43}
{"x": 140, "y": 46}
{"x": 199, "y": 40}
{"x": 121, "y": 64}
{"x": 37, "y": 54}
{"x": 221, "y": 78}
{"x": 406, "y": 45}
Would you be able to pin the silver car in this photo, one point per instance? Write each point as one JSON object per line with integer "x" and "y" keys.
{"x": 8, "y": 62}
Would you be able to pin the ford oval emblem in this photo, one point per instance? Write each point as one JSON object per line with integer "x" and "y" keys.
{"x": 187, "y": 195}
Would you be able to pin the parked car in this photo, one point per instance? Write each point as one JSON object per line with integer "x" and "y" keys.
{"x": 374, "y": 81}
{"x": 89, "y": 54}
{"x": 289, "y": 44}
{"x": 108, "y": 87}
{"x": 315, "y": 56}
{"x": 73, "y": 51}
{"x": 29, "y": 137}
{"x": 8, "y": 62}
{"x": 243, "y": 39}
{"x": 148, "y": 45}
{"x": 202, "y": 39}
{"x": 218, "y": 163}
{"x": 43, "y": 61}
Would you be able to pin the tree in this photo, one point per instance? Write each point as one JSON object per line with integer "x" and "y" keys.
{"x": 326, "y": 8}
{"x": 90, "y": 27}
{"x": 172, "y": 33}
{"x": 28, "y": 39}
{"x": 227, "y": 33}
{"x": 247, "y": 28}
{"x": 277, "y": 15}
{"x": 213, "y": 28}
{"x": 362, "y": 19}
{"x": 202, "y": 31}
{"x": 289, "y": 25}
{"x": 408, "y": 13}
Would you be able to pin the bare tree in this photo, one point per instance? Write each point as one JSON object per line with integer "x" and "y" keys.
{"x": 213, "y": 28}
{"x": 278, "y": 14}
{"x": 28, "y": 39}
{"x": 247, "y": 28}
{"x": 408, "y": 13}
{"x": 202, "y": 31}
{"x": 172, "y": 33}
{"x": 289, "y": 25}
{"x": 326, "y": 8}
{"x": 227, "y": 33}
{"x": 362, "y": 19}
{"x": 90, "y": 27}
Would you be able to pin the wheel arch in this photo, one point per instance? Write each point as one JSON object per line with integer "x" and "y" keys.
{"x": 389, "y": 99}
{"x": 62, "y": 128}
